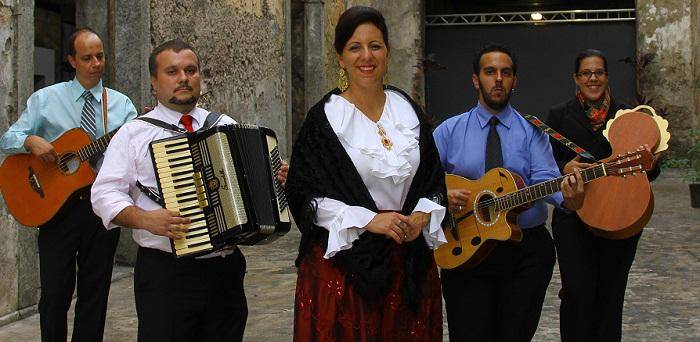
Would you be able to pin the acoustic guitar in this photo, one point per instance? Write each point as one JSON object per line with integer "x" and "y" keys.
{"x": 35, "y": 191}
{"x": 497, "y": 199}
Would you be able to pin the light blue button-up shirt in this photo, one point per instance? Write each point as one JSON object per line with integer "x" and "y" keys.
{"x": 461, "y": 141}
{"x": 53, "y": 110}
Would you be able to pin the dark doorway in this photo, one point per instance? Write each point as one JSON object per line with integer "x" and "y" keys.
{"x": 54, "y": 22}
{"x": 545, "y": 53}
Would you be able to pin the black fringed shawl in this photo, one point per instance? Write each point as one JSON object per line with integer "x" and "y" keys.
{"x": 320, "y": 167}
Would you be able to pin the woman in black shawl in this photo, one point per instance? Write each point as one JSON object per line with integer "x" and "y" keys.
{"x": 366, "y": 190}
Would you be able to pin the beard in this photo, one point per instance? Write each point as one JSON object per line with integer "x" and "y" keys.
{"x": 492, "y": 103}
{"x": 188, "y": 101}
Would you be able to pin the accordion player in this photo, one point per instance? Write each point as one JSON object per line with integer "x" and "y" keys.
{"x": 224, "y": 180}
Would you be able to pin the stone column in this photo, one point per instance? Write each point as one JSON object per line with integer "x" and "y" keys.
{"x": 669, "y": 29}
{"x": 18, "y": 250}
{"x": 130, "y": 40}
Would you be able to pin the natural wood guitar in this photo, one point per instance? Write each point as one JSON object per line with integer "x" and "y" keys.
{"x": 34, "y": 190}
{"x": 497, "y": 199}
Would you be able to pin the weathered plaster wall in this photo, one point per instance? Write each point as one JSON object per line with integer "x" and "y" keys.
{"x": 18, "y": 251}
{"x": 669, "y": 29}
{"x": 244, "y": 54}
{"x": 405, "y": 24}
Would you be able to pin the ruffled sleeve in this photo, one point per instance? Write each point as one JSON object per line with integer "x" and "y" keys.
{"x": 344, "y": 223}
{"x": 433, "y": 234}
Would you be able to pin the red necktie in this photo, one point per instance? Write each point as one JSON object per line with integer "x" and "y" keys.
{"x": 186, "y": 120}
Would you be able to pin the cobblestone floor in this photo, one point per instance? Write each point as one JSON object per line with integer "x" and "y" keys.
{"x": 663, "y": 296}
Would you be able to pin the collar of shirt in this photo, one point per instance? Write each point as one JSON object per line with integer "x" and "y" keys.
{"x": 163, "y": 113}
{"x": 77, "y": 90}
{"x": 504, "y": 116}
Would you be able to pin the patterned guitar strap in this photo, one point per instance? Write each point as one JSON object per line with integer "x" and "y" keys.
{"x": 560, "y": 138}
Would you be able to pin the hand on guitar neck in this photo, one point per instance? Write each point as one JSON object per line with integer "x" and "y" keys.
{"x": 572, "y": 190}
{"x": 40, "y": 148}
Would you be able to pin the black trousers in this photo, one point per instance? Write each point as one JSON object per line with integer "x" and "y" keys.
{"x": 594, "y": 274}
{"x": 189, "y": 299}
{"x": 501, "y": 298}
{"x": 75, "y": 236}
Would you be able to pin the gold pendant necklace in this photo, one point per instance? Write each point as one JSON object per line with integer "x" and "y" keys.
{"x": 385, "y": 140}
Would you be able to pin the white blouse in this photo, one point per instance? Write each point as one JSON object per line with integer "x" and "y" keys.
{"x": 387, "y": 174}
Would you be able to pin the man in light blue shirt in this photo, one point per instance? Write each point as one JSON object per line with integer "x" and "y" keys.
{"x": 501, "y": 298}
{"x": 75, "y": 234}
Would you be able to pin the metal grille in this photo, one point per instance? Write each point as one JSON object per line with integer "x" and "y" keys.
{"x": 573, "y": 16}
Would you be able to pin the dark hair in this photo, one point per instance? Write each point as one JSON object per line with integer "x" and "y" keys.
{"x": 590, "y": 53}
{"x": 354, "y": 17}
{"x": 493, "y": 47}
{"x": 74, "y": 36}
{"x": 176, "y": 45}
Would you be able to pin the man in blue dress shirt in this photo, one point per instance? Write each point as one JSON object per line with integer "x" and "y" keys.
{"x": 501, "y": 298}
{"x": 75, "y": 234}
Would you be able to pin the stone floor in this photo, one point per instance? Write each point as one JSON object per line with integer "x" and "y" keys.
{"x": 663, "y": 296}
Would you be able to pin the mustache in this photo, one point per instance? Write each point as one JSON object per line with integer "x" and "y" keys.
{"x": 186, "y": 87}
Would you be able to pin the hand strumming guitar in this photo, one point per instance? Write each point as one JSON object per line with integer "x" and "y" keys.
{"x": 458, "y": 199}
{"x": 40, "y": 148}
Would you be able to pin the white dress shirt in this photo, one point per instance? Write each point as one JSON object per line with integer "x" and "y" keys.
{"x": 127, "y": 160}
{"x": 387, "y": 173}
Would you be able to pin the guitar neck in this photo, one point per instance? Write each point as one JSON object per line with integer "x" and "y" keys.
{"x": 96, "y": 147}
{"x": 541, "y": 190}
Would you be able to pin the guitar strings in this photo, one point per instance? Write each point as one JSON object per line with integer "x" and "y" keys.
{"x": 491, "y": 201}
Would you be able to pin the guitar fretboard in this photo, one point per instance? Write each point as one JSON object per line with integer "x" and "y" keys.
{"x": 96, "y": 147}
{"x": 541, "y": 190}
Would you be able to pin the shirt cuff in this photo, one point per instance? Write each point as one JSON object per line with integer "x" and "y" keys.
{"x": 344, "y": 223}
{"x": 112, "y": 212}
{"x": 433, "y": 233}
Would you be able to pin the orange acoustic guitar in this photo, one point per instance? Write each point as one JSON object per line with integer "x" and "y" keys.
{"x": 497, "y": 199}
{"x": 34, "y": 190}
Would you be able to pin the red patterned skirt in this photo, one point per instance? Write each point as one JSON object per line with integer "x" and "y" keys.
{"x": 328, "y": 309}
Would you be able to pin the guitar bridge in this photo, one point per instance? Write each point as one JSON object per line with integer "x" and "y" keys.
{"x": 34, "y": 183}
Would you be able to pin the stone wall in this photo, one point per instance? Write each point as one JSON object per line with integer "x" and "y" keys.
{"x": 669, "y": 30}
{"x": 19, "y": 282}
{"x": 244, "y": 54}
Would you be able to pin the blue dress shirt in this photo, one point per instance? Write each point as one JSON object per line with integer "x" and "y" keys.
{"x": 461, "y": 141}
{"x": 53, "y": 110}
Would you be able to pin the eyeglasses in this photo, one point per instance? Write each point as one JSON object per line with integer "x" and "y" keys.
{"x": 587, "y": 74}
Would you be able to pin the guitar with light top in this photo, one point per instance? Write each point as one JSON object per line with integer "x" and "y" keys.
{"x": 35, "y": 191}
{"x": 497, "y": 199}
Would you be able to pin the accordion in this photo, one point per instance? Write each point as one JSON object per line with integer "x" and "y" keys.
{"x": 224, "y": 179}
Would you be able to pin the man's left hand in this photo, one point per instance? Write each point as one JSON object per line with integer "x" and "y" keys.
{"x": 572, "y": 189}
{"x": 282, "y": 173}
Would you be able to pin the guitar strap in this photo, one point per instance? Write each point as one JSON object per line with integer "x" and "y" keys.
{"x": 104, "y": 108}
{"x": 558, "y": 137}
{"x": 211, "y": 120}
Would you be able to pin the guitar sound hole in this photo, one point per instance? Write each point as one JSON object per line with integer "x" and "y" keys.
{"x": 485, "y": 204}
{"x": 456, "y": 251}
{"x": 68, "y": 163}
{"x": 476, "y": 241}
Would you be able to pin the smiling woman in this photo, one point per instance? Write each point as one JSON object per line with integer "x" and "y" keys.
{"x": 593, "y": 269}
{"x": 366, "y": 190}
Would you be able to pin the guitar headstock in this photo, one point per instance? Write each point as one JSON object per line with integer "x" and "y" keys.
{"x": 631, "y": 162}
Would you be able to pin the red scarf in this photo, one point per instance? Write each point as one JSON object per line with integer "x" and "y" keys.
{"x": 595, "y": 111}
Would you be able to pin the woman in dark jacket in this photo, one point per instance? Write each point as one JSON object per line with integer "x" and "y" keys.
{"x": 594, "y": 270}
